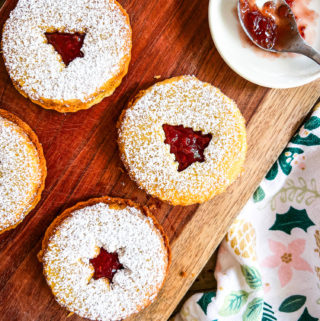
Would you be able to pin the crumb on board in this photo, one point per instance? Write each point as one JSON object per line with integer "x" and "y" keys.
{"x": 183, "y": 274}
{"x": 121, "y": 169}
{"x": 154, "y": 204}
{"x": 157, "y": 76}
{"x": 153, "y": 207}
{"x": 70, "y": 314}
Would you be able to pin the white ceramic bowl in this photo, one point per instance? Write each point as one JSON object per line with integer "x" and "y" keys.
{"x": 253, "y": 64}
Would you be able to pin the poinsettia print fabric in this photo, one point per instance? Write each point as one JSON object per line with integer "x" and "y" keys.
{"x": 268, "y": 266}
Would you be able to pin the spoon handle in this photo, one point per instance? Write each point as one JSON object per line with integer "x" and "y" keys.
{"x": 309, "y": 52}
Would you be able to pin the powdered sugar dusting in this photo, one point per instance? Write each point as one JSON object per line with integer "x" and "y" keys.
{"x": 20, "y": 173}
{"x": 129, "y": 233}
{"x": 37, "y": 68}
{"x": 189, "y": 102}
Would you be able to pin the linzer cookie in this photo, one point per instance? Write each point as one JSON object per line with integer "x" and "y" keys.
{"x": 67, "y": 55}
{"x": 22, "y": 170}
{"x": 105, "y": 259}
{"x": 182, "y": 140}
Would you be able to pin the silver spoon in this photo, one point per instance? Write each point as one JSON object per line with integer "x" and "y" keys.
{"x": 289, "y": 38}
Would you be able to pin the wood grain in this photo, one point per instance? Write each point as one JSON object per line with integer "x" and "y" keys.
{"x": 170, "y": 38}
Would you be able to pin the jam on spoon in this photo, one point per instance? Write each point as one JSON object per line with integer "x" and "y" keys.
{"x": 187, "y": 145}
{"x": 105, "y": 265}
{"x": 67, "y": 45}
{"x": 274, "y": 28}
{"x": 270, "y": 24}
{"x": 259, "y": 23}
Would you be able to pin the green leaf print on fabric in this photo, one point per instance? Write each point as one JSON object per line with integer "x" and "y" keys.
{"x": 233, "y": 303}
{"x": 310, "y": 140}
{"x": 205, "y": 300}
{"x": 273, "y": 172}
{"x": 292, "y": 303}
{"x": 312, "y": 123}
{"x": 292, "y": 219}
{"x": 284, "y": 160}
{"x": 252, "y": 276}
{"x": 259, "y": 195}
{"x": 307, "y": 317}
{"x": 268, "y": 314}
{"x": 300, "y": 191}
{"x": 254, "y": 310}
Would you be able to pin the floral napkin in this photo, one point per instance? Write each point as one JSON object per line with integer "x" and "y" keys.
{"x": 268, "y": 266}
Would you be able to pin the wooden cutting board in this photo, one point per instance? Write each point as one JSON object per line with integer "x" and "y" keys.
{"x": 170, "y": 38}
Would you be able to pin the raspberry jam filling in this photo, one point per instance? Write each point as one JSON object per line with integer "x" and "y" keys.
{"x": 105, "y": 265}
{"x": 187, "y": 145}
{"x": 67, "y": 45}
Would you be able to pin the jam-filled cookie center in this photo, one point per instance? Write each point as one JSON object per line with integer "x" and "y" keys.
{"x": 105, "y": 265}
{"x": 187, "y": 145}
{"x": 67, "y": 45}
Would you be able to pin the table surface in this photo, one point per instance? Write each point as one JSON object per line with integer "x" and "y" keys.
{"x": 170, "y": 38}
